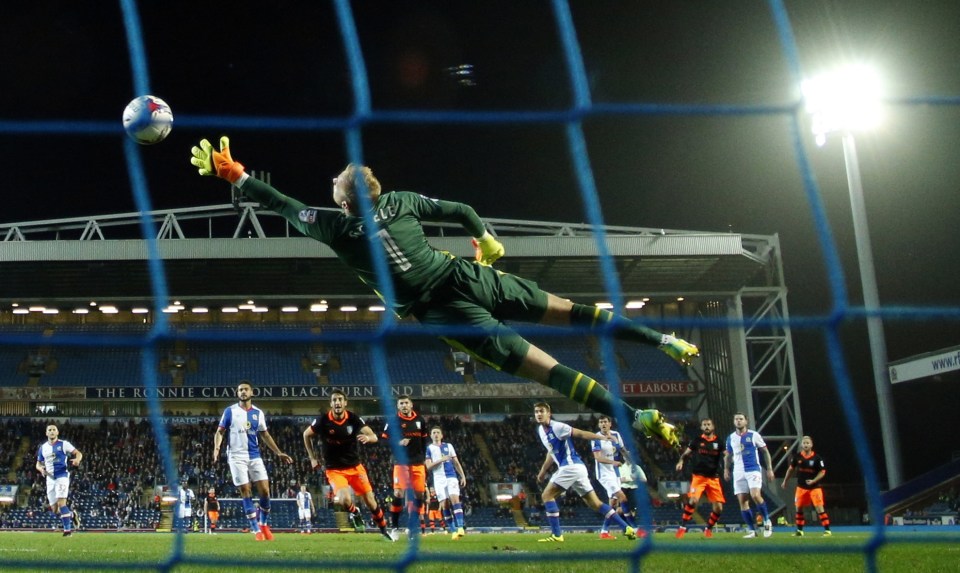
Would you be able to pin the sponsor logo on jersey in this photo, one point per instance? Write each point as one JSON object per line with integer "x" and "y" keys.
{"x": 308, "y": 216}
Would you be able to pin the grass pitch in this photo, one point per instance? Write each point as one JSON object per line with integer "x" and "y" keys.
{"x": 500, "y": 552}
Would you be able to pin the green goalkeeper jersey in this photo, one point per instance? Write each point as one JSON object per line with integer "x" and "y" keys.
{"x": 415, "y": 266}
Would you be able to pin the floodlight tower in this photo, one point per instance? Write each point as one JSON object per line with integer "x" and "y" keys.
{"x": 845, "y": 101}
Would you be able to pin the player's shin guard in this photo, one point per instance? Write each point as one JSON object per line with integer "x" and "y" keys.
{"x": 623, "y": 328}
{"x": 687, "y": 514}
{"x": 458, "y": 514}
{"x": 584, "y": 390}
{"x": 763, "y": 511}
{"x": 396, "y": 507}
{"x": 414, "y": 515}
{"x": 264, "y": 510}
{"x": 553, "y": 517}
{"x": 251, "y": 512}
{"x": 824, "y": 520}
{"x": 801, "y": 520}
{"x": 609, "y": 514}
{"x": 627, "y": 512}
{"x": 748, "y": 518}
{"x": 379, "y": 519}
{"x": 66, "y": 517}
{"x": 713, "y": 519}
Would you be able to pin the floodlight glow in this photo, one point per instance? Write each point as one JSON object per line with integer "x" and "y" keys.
{"x": 109, "y": 309}
{"x": 289, "y": 309}
{"x": 843, "y": 100}
{"x": 318, "y": 308}
{"x": 377, "y": 308}
{"x": 51, "y": 311}
{"x": 199, "y": 310}
{"x": 636, "y": 304}
{"x": 21, "y": 311}
{"x": 81, "y": 311}
{"x": 348, "y": 308}
{"x": 229, "y": 310}
{"x": 139, "y": 310}
{"x": 605, "y": 305}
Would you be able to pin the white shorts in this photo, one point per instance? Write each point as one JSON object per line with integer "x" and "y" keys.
{"x": 611, "y": 483}
{"x": 246, "y": 471}
{"x": 573, "y": 477}
{"x": 185, "y": 512}
{"x": 57, "y": 488}
{"x": 304, "y": 513}
{"x": 744, "y": 482}
{"x": 446, "y": 487}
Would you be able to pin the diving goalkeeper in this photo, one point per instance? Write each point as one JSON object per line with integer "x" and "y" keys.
{"x": 443, "y": 290}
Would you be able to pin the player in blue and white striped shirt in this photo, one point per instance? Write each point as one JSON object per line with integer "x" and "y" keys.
{"x": 744, "y": 447}
{"x": 53, "y": 460}
{"x": 305, "y": 509}
{"x": 609, "y": 455}
{"x": 184, "y": 513}
{"x": 244, "y": 424}
{"x": 448, "y": 478}
{"x": 571, "y": 473}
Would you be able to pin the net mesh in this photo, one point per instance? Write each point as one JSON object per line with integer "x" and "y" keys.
{"x": 571, "y": 119}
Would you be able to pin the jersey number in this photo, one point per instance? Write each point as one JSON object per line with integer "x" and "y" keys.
{"x": 396, "y": 255}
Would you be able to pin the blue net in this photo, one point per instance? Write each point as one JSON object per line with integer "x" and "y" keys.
{"x": 569, "y": 117}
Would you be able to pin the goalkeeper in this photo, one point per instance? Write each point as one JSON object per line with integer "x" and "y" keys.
{"x": 442, "y": 290}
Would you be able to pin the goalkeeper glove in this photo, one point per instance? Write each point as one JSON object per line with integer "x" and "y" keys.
{"x": 487, "y": 249}
{"x": 654, "y": 425}
{"x": 219, "y": 163}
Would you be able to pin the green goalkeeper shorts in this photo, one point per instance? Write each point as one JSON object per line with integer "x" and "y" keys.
{"x": 480, "y": 297}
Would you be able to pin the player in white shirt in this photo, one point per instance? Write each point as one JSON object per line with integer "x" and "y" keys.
{"x": 53, "y": 459}
{"x": 244, "y": 424}
{"x": 610, "y": 457}
{"x": 305, "y": 509}
{"x": 185, "y": 500}
{"x": 557, "y": 438}
{"x": 744, "y": 447}
{"x": 448, "y": 478}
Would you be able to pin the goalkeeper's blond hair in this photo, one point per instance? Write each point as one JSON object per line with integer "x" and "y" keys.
{"x": 349, "y": 183}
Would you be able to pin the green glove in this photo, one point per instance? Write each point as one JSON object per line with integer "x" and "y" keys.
{"x": 219, "y": 163}
{"x": 488, "y": 249}
{"x": 655, "y": 426}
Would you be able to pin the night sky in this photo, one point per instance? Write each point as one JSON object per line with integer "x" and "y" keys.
{"x": 215, "y": 62}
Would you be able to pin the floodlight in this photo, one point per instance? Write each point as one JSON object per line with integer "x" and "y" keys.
{"x": 846, "y": 99}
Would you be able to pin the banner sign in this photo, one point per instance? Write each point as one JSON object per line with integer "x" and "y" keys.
{"x": 925, "y": 366}
{"x": 422, "y": 391}
{"x": 260, "y": 392}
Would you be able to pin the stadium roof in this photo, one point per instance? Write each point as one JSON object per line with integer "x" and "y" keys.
{"x": 224, "y": 253}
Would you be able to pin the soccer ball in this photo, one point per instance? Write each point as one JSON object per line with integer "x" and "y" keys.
{"x": 147, "y": 119}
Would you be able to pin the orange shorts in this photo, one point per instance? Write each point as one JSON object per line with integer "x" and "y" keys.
{"x": 355, "y": 477}
{"x": 700, "y": 485}
{"x": 434, "y": 515}
{"x": 410, "y": 477}
{"x": 213, "y": 516}
{"x": 804, "y": 497}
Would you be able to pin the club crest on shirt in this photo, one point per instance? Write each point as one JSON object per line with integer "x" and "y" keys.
{"x": 349, "y": 430}
{"x": 308, "y": 216}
